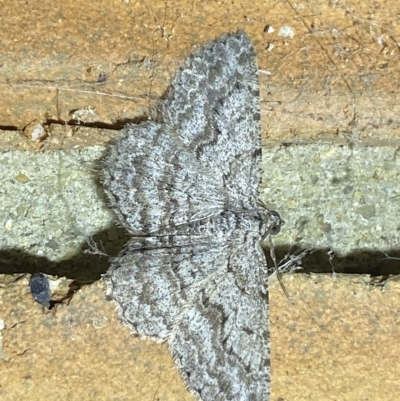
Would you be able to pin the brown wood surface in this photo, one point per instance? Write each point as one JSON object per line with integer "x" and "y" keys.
{"x": 335, "y": 80}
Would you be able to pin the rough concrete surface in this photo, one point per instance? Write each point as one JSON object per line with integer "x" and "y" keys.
{"x": 337, "y": 198}
{"x": 73, "y": 73}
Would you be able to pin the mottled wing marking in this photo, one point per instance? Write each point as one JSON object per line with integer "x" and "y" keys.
{"x": 214, "y": 105}
{"x": 194, "y": 273}
{"x": 150, "y": 282}
{"x": 221, "y": 339}
{"x": 153, "y": 181}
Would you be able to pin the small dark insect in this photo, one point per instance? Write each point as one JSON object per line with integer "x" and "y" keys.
{"x": 40, "y": 289}
{"x": 102, "y": 77}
